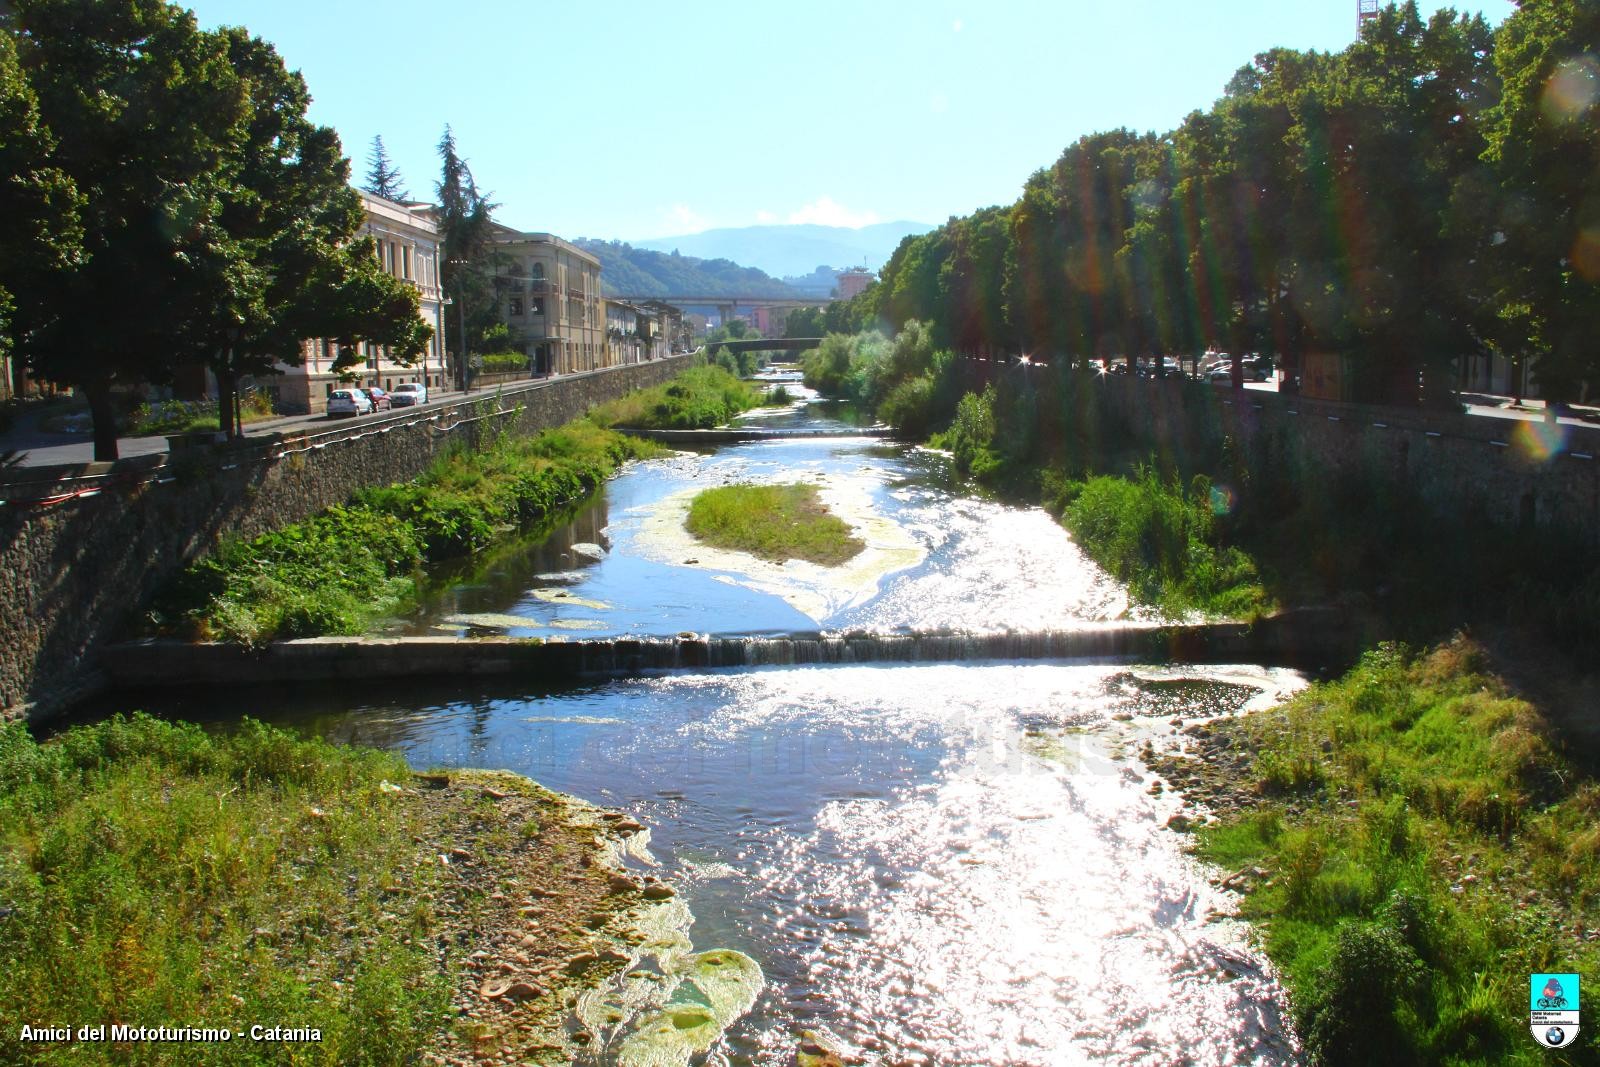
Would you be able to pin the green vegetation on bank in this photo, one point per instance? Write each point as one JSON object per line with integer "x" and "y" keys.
{"x": 1423, "y": 846}
{"x": 155, "y": 875}
{"x": 1173, "y": 546}
{"x": 1164, "y": 541}
{"x": 185, "y": 416}
{"x": 775, "y": 522}
{"x": 342, "y": 570}
{"x": 504, "y": 362}
{"x": 698, "y": 399}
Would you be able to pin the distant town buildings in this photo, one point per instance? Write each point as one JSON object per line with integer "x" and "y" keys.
{"x": 408, "y": 247}
{"x": 641, "y": 331}
{"x": 771, "y": 322}
{"x": 852, "y": 281}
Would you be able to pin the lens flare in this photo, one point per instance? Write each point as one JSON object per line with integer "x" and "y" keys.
{"x": 1538, "y": 442}
{"x": 1222, "y": 500}
{"x": 1572, "y": 89}
{"x": 1586, "y": 254}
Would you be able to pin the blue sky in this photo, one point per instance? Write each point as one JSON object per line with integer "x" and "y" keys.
{"x": 646, "y": 119}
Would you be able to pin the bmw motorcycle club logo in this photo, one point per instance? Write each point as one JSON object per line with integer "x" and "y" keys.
{"x": 1553, "y": 1016}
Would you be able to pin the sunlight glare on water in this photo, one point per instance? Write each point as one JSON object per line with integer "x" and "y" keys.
{"x": 936, "y": 864}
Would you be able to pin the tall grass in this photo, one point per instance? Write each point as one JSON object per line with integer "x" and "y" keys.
{"x": 152, "y": 874}
{"x": 698, "y": 399}
{"x": 1163, "y": 541}
{"x": 341, "y": 571}
{"x": 775, "y": 522}
{"x": 1428, "y": 848}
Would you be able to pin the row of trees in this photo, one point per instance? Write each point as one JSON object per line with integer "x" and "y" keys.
{"x": 167, "y": 203}
{"x": 1431, "y": 192}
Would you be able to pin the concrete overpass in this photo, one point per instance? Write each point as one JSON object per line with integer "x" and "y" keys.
{"x": 727, "y": 305}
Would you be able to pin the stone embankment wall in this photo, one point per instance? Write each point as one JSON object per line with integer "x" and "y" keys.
{"x": 83, "y": 549}
{"x": 1475, "y": 468}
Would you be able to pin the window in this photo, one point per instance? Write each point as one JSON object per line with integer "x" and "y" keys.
{"x": 538, "y": 270}
{"x": 405, "y": 255}
{"x": 516, "y": 305}
{"x": 538, "y": 305}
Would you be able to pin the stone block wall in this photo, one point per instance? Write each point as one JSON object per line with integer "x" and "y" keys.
{"x": 1509, "y": 471}
{"x": 77, "y": 572}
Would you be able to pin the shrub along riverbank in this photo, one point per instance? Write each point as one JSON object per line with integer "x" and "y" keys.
{"x": 156, "y": 875}
{"x": 774, "y": 522}
{"x": 339, "y": 572}
{"x": 698, "y": 399}
{"x": 1415, "y": 844}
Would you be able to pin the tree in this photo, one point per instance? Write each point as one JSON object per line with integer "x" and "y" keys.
{"x": 383, "y": 177}
{"x": 39, "y": 207}
{"x": 1545, "y": 222}
{"x": 465, "y": 225}
{"x": 141, "y": 108}
{"x": 283, "y": 255}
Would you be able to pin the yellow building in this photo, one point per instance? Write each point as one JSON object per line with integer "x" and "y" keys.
{"x": 549, "y": 295}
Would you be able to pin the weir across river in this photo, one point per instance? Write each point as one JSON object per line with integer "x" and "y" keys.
{"x": 1305, "y": 639}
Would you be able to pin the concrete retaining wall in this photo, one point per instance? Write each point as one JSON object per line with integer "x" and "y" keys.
{"x": 1473, "y": 467}
{"x": 78, "y": 570}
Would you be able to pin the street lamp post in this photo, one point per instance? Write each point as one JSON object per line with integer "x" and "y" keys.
{"x": 446, "y": 302}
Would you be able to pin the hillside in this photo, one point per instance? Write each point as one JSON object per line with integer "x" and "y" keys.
{"x": 630, "y": 271}
{"x": 793, "y": 250}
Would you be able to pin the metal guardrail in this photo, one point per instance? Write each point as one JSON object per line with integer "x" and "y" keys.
{"x": 56, "y": 488}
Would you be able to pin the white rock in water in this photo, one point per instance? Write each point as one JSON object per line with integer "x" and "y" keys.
{"x": 588, "y": 550}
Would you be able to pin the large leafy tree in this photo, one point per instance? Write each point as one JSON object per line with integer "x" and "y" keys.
{"x": 39, "y": 228}
{"x": 141, "y": 108}
{"x": 1544, "y": 142}
{"x": 283, "y": 259}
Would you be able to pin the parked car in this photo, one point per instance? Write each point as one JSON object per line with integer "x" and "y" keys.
{"x": 1259, "y": 368}
{"x": 380, "y": 399}
{"x": 349, "y": 402}
{"x": 408, "y": 393}
{"x": 1220, "y": 373}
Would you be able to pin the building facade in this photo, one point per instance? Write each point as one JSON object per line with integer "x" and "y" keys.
{"x": 408, "y": 247}
{"x": 852, "y": 281}
{"x": 549, "y": 295}
{"x": 771, "y": 322}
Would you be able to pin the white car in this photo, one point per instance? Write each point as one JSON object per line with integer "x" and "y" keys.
{"x": 349, "y": 402}
{"x": 408, "y": 393}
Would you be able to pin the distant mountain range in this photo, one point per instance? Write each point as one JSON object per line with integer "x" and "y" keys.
{"x": 793, "y": 251}
{"x": 629, "y": 271}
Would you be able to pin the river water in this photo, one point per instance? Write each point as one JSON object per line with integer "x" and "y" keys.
{"x": 951, "y": 864}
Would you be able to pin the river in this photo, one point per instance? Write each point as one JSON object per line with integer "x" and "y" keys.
{"x": 951, "y": 864}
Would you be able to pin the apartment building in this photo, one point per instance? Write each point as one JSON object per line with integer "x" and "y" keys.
{"x": 408, "y": 247}
{"x": 549, "y": 295}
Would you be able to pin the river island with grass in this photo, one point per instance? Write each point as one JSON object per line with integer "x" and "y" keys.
{"x": 774, "y": 522}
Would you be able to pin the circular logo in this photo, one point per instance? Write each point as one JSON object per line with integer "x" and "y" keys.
{"x": 1555, "y": 1036}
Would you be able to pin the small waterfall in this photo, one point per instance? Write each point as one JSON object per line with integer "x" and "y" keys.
{"x": 1306, "y": 639}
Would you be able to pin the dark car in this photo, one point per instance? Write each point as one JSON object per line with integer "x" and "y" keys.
{"x": 380, "y": 399}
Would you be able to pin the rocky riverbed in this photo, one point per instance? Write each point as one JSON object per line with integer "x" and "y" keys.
{"x": 561, "y": 945}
